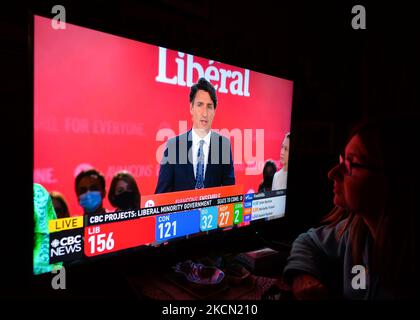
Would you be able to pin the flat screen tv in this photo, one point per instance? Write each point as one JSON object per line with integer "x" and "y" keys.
{"x": 117, "y": 105}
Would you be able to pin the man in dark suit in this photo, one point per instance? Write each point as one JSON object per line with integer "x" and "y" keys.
{"x": 200, "y": 158}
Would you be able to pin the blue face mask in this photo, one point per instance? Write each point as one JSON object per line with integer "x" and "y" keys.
{"x": 90, "y": 200}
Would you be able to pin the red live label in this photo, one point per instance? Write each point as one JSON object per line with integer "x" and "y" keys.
{"x": 116, "y": 236}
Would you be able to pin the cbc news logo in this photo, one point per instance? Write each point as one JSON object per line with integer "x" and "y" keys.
{"x": 65, "y": 246}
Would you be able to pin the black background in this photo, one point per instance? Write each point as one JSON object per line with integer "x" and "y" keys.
{"x": 340, "y": 75}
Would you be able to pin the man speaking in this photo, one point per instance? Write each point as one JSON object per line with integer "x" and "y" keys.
{"x": 199, "y": 158}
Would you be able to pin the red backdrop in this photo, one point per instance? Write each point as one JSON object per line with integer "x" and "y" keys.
{"x": 97, "y": 103}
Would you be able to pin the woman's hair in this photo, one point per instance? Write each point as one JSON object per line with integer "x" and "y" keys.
{"x": 127, "y": 177}
{"x": 389, "y": 143}
{"x": 55, "y": 195}
{"x": 270, "y": 163}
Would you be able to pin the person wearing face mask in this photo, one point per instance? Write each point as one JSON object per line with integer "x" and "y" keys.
{"x": 90, "y": 190}
{"x": 123, "y": 192}
{"x": 268, "y": 174}
{"x": 280, "y": 177}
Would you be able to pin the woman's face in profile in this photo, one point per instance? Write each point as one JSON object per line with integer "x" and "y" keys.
{"x": 284, "y": 154}
{"x": 357, "y": 186}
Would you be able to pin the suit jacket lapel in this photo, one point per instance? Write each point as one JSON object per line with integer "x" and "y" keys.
{"x": 190, "y": 167}
{"x": 209, "y": 168}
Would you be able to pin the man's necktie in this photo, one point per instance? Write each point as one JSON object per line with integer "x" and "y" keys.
{"x": 200, "y": 167}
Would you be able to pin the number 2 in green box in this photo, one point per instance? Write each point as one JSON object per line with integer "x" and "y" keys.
{"x": 237, "y": 213}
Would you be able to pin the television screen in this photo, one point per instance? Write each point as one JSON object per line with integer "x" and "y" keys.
{"x": 136, "y": 145}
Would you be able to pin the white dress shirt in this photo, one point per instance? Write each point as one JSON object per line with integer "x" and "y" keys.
{"x": 196, "y": 145}
{"x": 279, "y": 180}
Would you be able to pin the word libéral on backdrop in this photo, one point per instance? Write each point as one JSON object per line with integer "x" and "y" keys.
{"x": 219, "y": 77}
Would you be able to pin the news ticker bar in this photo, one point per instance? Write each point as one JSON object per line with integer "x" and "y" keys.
{"x": 77, "y": 222}
{"x": 158, "y": 210}
{"x": 126, "y": 229}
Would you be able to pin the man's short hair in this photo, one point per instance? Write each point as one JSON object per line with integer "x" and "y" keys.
{"x": 205, "y": 85}
{"x": 88, "y": 173}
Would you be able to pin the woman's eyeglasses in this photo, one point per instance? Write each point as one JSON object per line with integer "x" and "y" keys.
{"x": 349, "y": 165}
